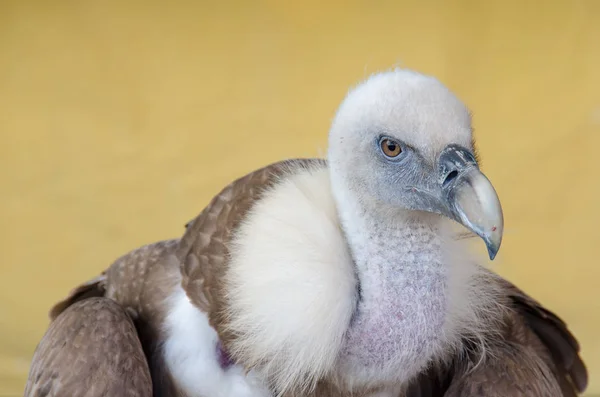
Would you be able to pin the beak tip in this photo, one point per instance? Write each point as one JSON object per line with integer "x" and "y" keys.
{"x": 493, "y": 246}
{"x": 492, "y": 252}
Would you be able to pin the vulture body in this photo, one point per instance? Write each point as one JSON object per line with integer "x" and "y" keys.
{"x": 310, "y": 277}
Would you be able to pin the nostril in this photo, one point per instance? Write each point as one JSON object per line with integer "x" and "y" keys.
{"x": 451, "y": 175}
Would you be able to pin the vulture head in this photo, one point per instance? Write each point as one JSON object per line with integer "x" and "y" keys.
{"x": 353, "y": 272}
{"x": 403, "y": 142}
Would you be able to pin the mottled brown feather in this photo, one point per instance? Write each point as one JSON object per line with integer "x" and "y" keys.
{"x": 139, "y": 283}
{"x": 90, "y": 349}
{"x": 555, "y": 336}
{"x": 535, "y": 355}
{"x": 142, "y": 281}
{"x": 92, "y": 288}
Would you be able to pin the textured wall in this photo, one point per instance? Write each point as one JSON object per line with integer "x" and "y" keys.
{"x": 119, "y": 121}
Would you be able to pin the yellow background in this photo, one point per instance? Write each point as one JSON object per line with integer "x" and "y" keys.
{"x": 119, "y": 121}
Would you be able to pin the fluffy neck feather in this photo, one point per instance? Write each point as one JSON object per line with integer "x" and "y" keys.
{"x": 403, "y": 272}
{"x": 421, "y": 293}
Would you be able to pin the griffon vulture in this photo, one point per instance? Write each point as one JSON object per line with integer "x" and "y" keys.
{"x": 324, "y": 278}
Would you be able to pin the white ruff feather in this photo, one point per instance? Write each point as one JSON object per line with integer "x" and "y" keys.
{"x": 190, "y": 351}
{"x": 291, "y": 283}
{"x": 292, "y": 292}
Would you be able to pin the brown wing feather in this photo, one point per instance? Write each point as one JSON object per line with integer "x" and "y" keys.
{"x": 92, "y": 288}
{"x": 138, "y": 283}
{"x": 556, "y": 337}
{"x": 90, "y": 349}
{"x": 535, "y": 355}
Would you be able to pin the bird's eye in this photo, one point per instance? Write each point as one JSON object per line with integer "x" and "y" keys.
{"x": 390, "y": 148}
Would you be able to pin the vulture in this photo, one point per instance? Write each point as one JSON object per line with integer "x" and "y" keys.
{"x": 350, "y": 275}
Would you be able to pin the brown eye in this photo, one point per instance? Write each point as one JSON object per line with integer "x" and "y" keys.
{"x": 390, "y": 148}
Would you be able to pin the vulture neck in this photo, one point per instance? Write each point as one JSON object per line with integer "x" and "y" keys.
{"x": 403, "y": 306}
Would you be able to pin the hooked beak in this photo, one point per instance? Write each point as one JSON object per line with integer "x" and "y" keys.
{"x": 470, "y": 197}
